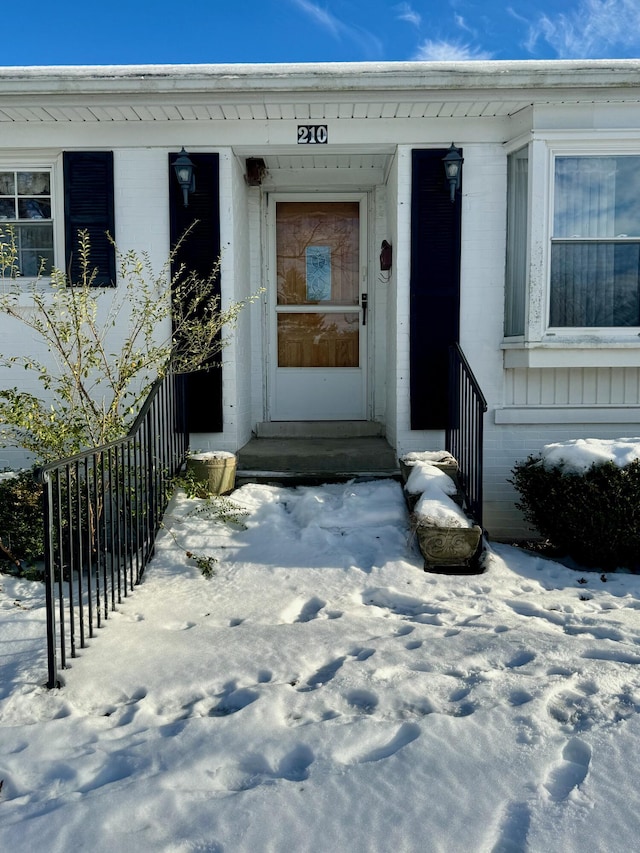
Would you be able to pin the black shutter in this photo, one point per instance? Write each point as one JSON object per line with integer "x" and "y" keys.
{"x": 89, "y": 206}
{"x": 199, "y": 253}
{"x": 434, "y": 287}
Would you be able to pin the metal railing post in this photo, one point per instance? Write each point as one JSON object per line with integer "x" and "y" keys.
{"x": 465, "y": 428}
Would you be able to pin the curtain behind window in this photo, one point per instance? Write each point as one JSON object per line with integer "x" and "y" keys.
{"x": 517, "y": 226}
{"x": 594, "y": 265}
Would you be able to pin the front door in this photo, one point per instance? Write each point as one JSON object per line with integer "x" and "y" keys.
{"x": 318, "y": 311}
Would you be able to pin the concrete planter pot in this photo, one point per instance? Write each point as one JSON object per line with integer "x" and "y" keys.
{"x": 217, "y": 469}
{"x": 443, "y": 462}
{"x": 447, "y": 464}
{"x": 449, "y": 549}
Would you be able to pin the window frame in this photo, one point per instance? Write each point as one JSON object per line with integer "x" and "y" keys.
{"x": 582, "y": 151}
{"x": 52, "y": 164}
{"x": 571, "y": 344}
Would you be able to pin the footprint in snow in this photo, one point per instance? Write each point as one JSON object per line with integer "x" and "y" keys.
{"x": 322, "y": 675}
{"x": 406, "y": 734}
{"x": 513, "y": 829}
{"x": 570, "y": 772}
{"x": 254, "y": 770}
{"x": 362, "y": 700}
{"x": 574, "y": 708}
{"x": 233, "y": 701}
{"x": 520, "y": 659}
{"x": 361, "y": 653}
{"x": 310, "y": 610}
{"x": 519, "y": 697}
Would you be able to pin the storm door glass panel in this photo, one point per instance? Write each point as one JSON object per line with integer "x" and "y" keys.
{"x": 317, "y": 257}
{"x": 318, "y": 340}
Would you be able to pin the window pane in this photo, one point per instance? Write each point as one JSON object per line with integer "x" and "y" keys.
{"x": 517, "y": 229}
{"x": 317, "y": 246}
{"x": 33, "y": 183}
{"x": 7, "y": 209}
{"x": 36, "y": 236}
{"x": 33, "y": 208}
{"x": 318, "y": 340}
{"x": 33, "y": 263}
{"x": 7, "y": 183}
{"x": 34, "y": 245}
{"x": 597, "y": 197}
{"x": 595, "y": 284}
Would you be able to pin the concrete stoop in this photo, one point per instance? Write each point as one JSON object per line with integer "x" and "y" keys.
{"x": 319, "y": 429}
{"x": 328, "y": 451}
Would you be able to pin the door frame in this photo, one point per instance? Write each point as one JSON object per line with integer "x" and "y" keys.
{"x": 270, "y": 326}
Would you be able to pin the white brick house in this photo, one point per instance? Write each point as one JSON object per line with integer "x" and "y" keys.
{"x": 534, "y": 267}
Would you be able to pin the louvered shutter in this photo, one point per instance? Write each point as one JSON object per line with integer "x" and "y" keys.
{"x": 199, "y": 253}
{"x": 89, "y": 206}
{"x": 434, "y": 288}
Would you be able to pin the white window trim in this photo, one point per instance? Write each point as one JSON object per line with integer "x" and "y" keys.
{"x": 43, "y": 161}
{"x": 544, "y": 345}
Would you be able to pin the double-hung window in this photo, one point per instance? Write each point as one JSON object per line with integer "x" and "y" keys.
{"x": 26, "y": 210}
{"x": 595, "y": 242}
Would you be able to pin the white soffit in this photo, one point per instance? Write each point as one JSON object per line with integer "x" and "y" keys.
{"x": 137, "y": 111}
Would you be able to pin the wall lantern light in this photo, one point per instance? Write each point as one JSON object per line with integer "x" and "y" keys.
{"x": 184, "y": 170}
{"x": 452, "y": 163}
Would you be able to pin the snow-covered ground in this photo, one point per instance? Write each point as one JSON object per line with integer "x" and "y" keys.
{"x": 322, "y": 693}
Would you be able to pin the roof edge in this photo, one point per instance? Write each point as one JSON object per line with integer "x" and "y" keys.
{"x": 472, "y": 74}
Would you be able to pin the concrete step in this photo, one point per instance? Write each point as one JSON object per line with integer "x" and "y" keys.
{"x": 319, "y": 429}
{"x": 320, "y": 459}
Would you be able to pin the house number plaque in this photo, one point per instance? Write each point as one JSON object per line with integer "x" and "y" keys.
{"x": 313, "y": 134}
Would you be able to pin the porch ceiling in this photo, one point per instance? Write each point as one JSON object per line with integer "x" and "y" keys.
{"x": 299, "y": 170}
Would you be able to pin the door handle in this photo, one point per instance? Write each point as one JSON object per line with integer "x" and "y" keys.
{"x": 365, "y": 302}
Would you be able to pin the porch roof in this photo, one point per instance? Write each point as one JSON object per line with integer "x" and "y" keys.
{"x": 307, "y": 92}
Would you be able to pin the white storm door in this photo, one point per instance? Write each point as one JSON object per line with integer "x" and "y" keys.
{"x": 318, "y": 370}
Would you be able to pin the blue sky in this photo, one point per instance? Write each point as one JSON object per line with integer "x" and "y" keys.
{"x": 137, "y": 31}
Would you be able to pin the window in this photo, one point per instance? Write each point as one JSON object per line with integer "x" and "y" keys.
{"x": 25, "y": 206}
{"x": 517, "y": 237}
{"x": 595, "y": 245}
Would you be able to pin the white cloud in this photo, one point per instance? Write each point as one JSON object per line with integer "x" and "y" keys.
{"x": 320, "y": 16}
{"x": 595, "y": 28}
{"x": 445, "y": 51}
{"x": 406, "y": 13}
{"x": 460, "y": 22}
{"x": 368, "y": 42}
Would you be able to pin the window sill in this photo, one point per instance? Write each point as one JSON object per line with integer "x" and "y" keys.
{"x": 572, "y": 353}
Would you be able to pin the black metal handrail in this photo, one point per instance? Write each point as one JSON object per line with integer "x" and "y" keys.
{"x": 464, "y": 434}
{"x": 102, "y": 511}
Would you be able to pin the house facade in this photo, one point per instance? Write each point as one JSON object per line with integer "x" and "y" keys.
{"x": 322, "y": 186}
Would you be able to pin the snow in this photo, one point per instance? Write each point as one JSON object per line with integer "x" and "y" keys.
{"x": 578, "y": 455}
{"x": 426, "y": 477}
{"x": 437, "y": 510}
{"x": 322, "y": 693}
{"x": 203, "y": 455}
{"x": 435, "y": 505}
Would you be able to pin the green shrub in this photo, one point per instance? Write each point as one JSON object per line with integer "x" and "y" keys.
{"x": 21, "y": 515}
{"x": 593, "y": 517}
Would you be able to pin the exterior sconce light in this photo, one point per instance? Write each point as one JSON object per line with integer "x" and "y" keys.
{"x": 184, "y": 170}
{"x": 452, "y": 163}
